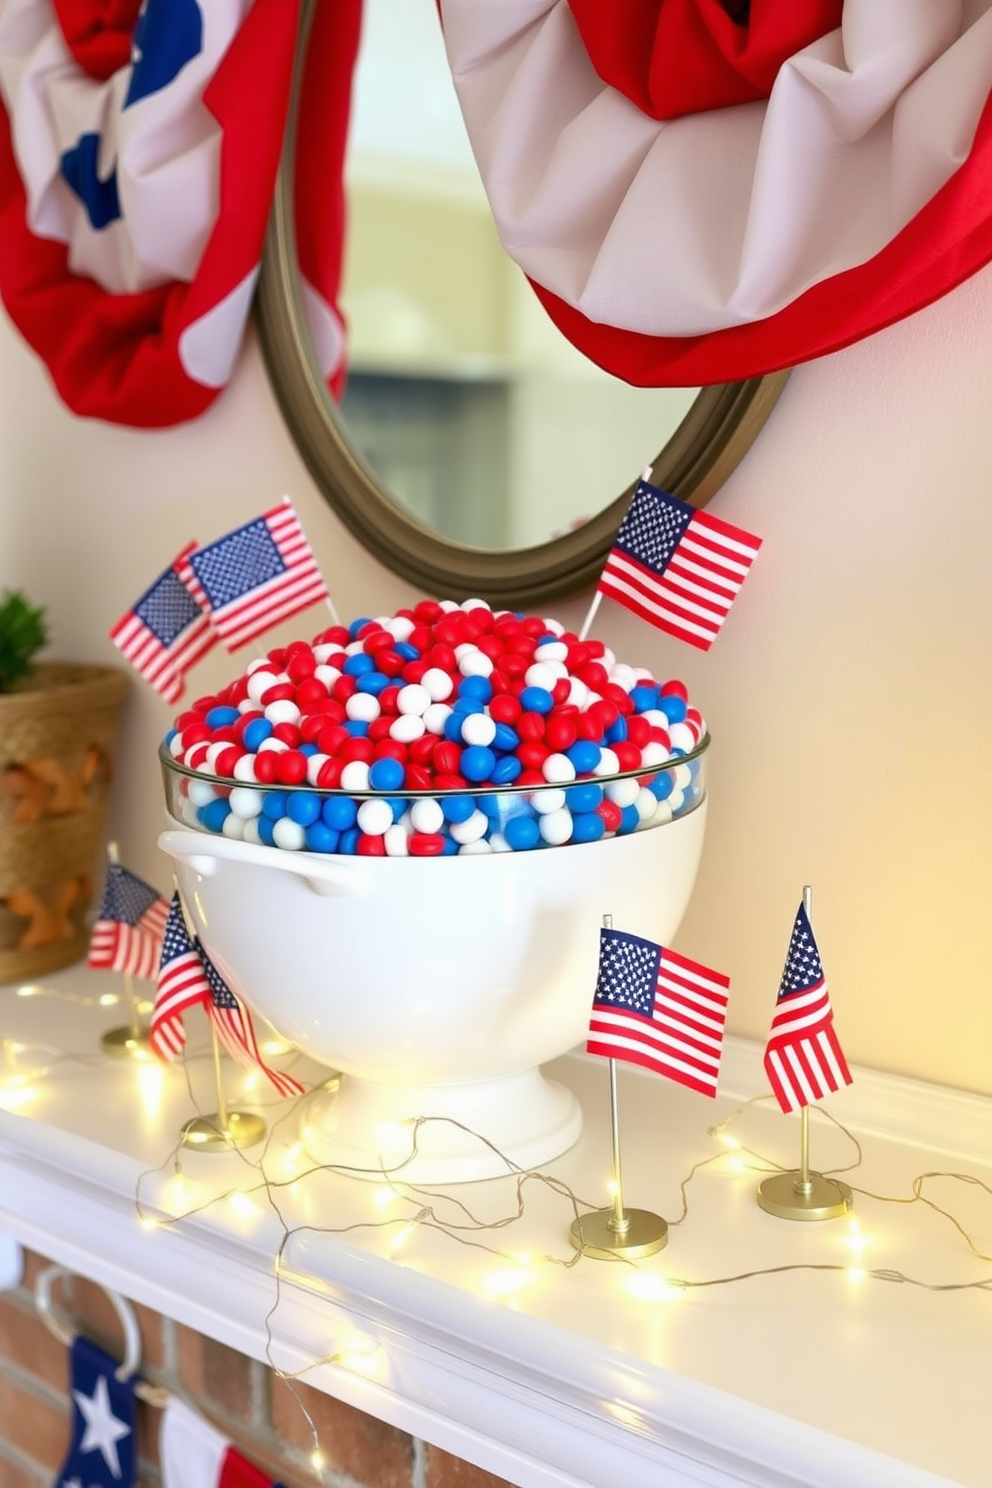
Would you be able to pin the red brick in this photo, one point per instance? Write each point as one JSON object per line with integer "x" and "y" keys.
{"x": 217, "y": 1374}
{"x": 13, "y": 1476}
{"x": 445, "y": 1471}
{"x": 37, "y": 1429}
{"x": 94, "y": 1314}
{"x": 350, "y": 1441}
{"x": 27, "y": 1344}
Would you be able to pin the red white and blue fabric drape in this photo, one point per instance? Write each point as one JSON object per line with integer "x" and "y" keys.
{"x": 138, "y": 156}
{"x": 703, "y": 190}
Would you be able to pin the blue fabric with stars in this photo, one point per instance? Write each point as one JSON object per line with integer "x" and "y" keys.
{"x": 802, "y": 963}
{"x": 653, "y": 526}
{"x": 167, "y": 608}
{"x": 102, "y": 1450}
{"x": 176, "y": 941}
{"x": 234, "y": 565}
{"x": 219, "y": 990}
{"x": 126, "y": 897}
{"x": 628, "y": 972}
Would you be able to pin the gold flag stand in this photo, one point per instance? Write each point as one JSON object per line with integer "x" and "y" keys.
{"x": 801, "y": 1194}
{"x": 224, "y": 1131}
{"x": 130, "y": 1042}
{"x": 618, "y": 1231}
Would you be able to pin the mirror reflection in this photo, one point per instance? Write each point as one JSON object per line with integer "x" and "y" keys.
{"x": 462, "y": 396}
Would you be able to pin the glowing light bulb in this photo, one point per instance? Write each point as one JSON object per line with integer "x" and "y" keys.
{"x": 29, "y": 990}
{"x": 647, "y": 1286}
{"x": 108, "y": 999}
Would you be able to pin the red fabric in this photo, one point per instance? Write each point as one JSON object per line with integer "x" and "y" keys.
{"x": 98, "y": 33}
{"x": 944, "y": 244}
{"x": 116, "y": 357}
{"x": 237, "y": 1472}
{"x": 673, "y": 57}
{"x": 321, "y": 140}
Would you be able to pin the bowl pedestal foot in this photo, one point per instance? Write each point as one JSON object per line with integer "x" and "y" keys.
{"x": 441, "y": 1133}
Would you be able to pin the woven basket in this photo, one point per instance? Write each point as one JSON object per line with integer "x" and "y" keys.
{"x": 58, "y": 731}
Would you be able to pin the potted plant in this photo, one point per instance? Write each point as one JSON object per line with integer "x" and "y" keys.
{"x": 58, "y": 727}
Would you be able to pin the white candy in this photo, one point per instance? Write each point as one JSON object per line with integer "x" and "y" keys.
{"x": 551, "y": 651}
{"x": 426, "y": 815}
{"x": 353, "y": 648}
{"x": 541, "y": 674}
{"x": 200, "y": 793}
{"x": 646, "y": 804}
{"x": 327, "y": 675}
{"x": 355, "y": 776}
{"x": 288, "y": 834}
{"x": 406, "y": 728}
{"x": 608, "y": 763}
{"x": 558, "y": 768}
{"x": 498, "y": 843}
{"x": 682, "y": 775}
{"x": 682, "y": 737}
{"x": 324, "y": 650}
{"x": 475, "y": 849}
{"x": 395, "y": 839}
{"x": 246, "y": 803}
{"x": 400, "y": 627}
{"x": 260, "y": 682}
{"x": 414, "y": 698}
{"x": 374, "y": 817}
{"x": 622, "y": 792}
{"x": 247, "y": 705}
{"x": 270, "y": 743}
{"x": 475, "y": 604}
{"x": 556, "y": 827}
{"x": 176, "y": 746}
{"x": 244, "y": 767}
{"x": 283, "y": 711}
{"x": 315, "y": 763}
{"x": 475, "y": 663}
{"x": 624, "y": 676}
{"x": 234, "y": 826}
{"x": 554, "y": 627}
{"x": 435, "y": 717}
{"x": 655, "y": 753}
{"x": 545, "y": 802}
{"x": 362, "y": 707}
{"x": 437, "y": 684}
{"x": 667, "y": 809}
{"x": 478, "y": 728}
{"x": 251, "y": 833}
{"x": 578, "y": 693}
{"x": 472, "y": 829}
{"x": 258, "y": 664}
{"x": 448, "y": 605}
{"x": 656, "y": 718}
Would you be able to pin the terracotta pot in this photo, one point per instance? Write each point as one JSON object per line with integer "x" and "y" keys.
{"x": 58, "y": 731}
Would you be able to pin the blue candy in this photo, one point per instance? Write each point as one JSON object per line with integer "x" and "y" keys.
{"x": 359, "y": 664}
{"x": 373, "y": 682}
{"x": 477, "y": 762}
{"x": 585, "y": 756}
{"x": 348, "y": 841}
{"x": 303, "y": 807}
{"x": 505, "y": 738}
{"x": 674, "y": 708}
{"x": 662, "y": 785}
{"x": 357, "y": 727}
{"x": 321, "y": 838}
{"x": 457, "y": 808}
{"x": 629, "y": 818}
{"x": 256, "y": 733}
{"x": 408, "y": 652}
{"x": 522, "y": 832}
{"x": 643, "y": 697}
{"x": 356, "y": 626}
{"x": 386, "y": 774}
{"x": 265, "y": 825}
{"x": 475, "y": 687}
{"x": 584, "y": 797}
{"x": 221, "y": 716}
{"x": 587, "y": 826}
{"x": 617, "y": 732}
{"x": 274, "y": 805}
{"x": 536, "y": 700}
{"x": 506, "y": 769}
{"x": 213, "y": 815}
{"x": 339, "y": 813}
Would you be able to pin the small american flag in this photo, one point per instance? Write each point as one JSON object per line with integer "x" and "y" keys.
{"x": 188, "y": 978}
{"x": 129, "y": 928}
{"x": 679, "y": 568}
{"x": 255, "y": 576}
{"x": 659, "y": 1009}
{"x": 803, "y": 1058}
{"x": 166, "y": 631}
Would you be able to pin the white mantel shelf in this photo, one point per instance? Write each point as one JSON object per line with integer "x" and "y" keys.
{"x": 594, "y": 1375}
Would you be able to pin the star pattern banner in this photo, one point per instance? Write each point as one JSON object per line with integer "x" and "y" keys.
{"x": 102, "y": 1453}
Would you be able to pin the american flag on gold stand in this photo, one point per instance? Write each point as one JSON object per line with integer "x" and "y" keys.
{"x": 803, "y": 1057}
{"x": 188, "y": 978}
{"x": 130, "y": 925}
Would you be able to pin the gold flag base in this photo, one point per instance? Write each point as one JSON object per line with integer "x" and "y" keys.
{"x": 125, "y": 1043}
{"x": 598, "y": 1234}
{"x": 235, "y": 1130}
{"x": 787, "y": 1196}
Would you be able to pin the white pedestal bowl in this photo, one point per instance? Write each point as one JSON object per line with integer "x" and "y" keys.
{"x": 438, "y": 987}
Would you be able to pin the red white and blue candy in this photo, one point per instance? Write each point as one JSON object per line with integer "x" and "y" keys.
{"x": 445, "y": 728}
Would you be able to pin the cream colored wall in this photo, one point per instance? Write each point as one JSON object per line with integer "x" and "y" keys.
{"x": 848, "y": 696}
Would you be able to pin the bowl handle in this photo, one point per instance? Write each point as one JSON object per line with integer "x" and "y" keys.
{"x": 340, "y": 879}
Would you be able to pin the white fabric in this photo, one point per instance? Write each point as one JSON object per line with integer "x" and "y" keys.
{"x": 191, "y": 1451}
{"x": 208, "y": 347}
{"x": 718, "y": 218}
{"x": 166, "y": 148}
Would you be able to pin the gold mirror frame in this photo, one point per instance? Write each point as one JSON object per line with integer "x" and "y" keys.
{"x": 712, "y": 439}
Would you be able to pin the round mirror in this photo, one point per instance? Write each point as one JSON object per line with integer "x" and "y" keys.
{"x": 474, "y": 450}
